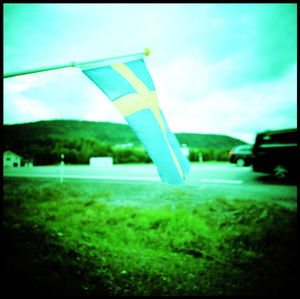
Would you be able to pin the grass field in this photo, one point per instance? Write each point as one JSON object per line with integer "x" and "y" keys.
{"x": 62, "y": 239}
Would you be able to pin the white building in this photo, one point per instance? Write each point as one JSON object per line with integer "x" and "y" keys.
{"x": 101, "y": 161}
{"x": 11, "y": 159}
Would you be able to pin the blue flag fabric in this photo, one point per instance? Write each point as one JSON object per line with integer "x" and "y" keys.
{"x": 130, "y": 88}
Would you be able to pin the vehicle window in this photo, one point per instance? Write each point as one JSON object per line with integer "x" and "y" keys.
{"x": 245, "y": 148}
{"x": 280, "y": 138}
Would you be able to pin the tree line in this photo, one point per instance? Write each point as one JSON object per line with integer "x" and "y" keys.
{"x": 48, "y": 150}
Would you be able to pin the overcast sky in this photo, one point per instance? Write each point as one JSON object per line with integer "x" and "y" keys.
{"x": 218, "y": 68}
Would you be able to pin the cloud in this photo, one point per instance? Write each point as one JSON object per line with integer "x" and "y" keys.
{"x": 32, "y": 109}
{"x": 277, "y": 39}
{"x": 20, "y": 83}
{"x": 217, "y": 68}
{"x": 239, "y": 112}
{"x": 19, "y": 108}
{"x": 59, "y": 94}
{"x": 247, "y": 42}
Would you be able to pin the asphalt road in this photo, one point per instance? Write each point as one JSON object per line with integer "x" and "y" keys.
{"x": 205, "y": 182}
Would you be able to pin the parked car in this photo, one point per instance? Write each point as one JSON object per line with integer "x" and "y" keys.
{"x": 241, "y": 155}
{"x": 275, "y": 152}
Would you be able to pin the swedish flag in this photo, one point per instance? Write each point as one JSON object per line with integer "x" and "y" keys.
{"x": 130, "y": 88}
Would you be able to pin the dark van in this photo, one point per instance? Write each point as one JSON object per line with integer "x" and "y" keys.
{"x": 275, "y": 152}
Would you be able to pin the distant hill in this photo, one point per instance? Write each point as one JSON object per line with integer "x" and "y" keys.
{"x": 43, "y": 142}
{"x": 104, "y": 132}
{"x": 208, "y": 140}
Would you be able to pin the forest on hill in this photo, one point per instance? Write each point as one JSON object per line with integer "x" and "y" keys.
{"x": 45, "y": 141}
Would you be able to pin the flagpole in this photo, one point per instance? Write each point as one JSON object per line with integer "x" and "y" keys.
{"x": 102, "y": 62}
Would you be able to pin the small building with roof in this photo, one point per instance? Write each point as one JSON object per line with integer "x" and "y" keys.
{"x": 11, "y": 159}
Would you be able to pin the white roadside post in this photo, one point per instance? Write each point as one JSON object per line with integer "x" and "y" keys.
{"x": 62, "y": 168}
{"x": 200, "y": 158}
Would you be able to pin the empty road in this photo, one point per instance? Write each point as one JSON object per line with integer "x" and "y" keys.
{"x": 205, "y": 182}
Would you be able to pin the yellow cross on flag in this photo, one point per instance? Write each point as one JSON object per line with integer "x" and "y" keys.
{"x": 130, "y": 88}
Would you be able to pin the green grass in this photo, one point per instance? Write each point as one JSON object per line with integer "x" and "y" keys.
{"x": 63, "y": 239}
